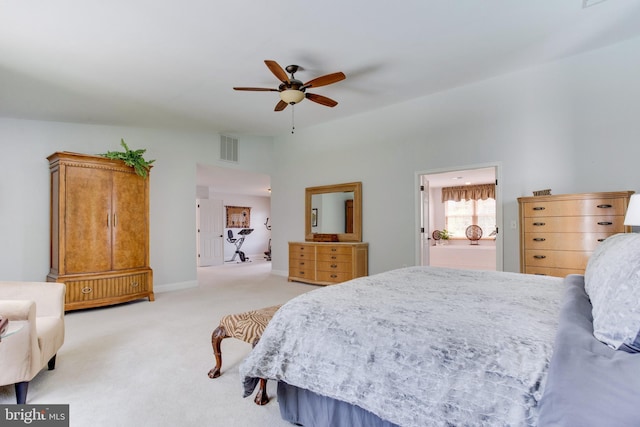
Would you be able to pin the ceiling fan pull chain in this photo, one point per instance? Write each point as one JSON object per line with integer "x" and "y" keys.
{"x": 293, "y": 122}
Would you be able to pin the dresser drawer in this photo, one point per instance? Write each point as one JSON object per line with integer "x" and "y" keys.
{"x": 303, "y": 273}
{"x": 330, "y": 250}
{"x": 600, "y": 206}
{"x": 550, "y": 271}
{"x": 301, "y": 251}
{"x": 333, "y": 276}
{"x": 556, "y": 259}
{"x": 564, "y": 241}
{"x": 579, "y": 224}
{"x": 342, "y": 267}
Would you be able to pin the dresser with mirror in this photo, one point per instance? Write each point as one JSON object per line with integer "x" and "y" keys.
{"x": 333, "y": 250}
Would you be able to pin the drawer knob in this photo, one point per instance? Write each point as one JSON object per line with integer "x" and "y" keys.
{"x": 135, "y": 284}
{"x": 334, "y": 266}
{"x": 333, "y": 249}
{"x": 605, "y": 206}
{"x": 538, "y": 224}
{"x": 302, "y": 263}
{"x": 539, "y": 256}
{"x": 538, "y": 208}
{"x": 539, "y": 239}
{"x": 87, "y": 290}
{"x": 301, "y": 273}
{"x": 334, "y": 257}
{"x": 334, "y": 276}
{"x": 605, "y": 223}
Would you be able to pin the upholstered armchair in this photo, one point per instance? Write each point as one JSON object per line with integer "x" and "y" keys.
{"x": 37, "y": 311}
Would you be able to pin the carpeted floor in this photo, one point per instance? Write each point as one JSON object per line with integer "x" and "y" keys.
{"x": 142, "y": 364}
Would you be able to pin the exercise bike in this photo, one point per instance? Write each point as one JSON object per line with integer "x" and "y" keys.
{"x": 238, "y": 243}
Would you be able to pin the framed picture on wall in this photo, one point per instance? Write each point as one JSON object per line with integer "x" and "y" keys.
{"x": 238, "y": 217}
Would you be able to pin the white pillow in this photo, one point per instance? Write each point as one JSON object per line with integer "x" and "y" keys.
{"x": 612, "y": 281}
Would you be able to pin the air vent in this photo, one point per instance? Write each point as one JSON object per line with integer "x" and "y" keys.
{"x": 228, "y": 148}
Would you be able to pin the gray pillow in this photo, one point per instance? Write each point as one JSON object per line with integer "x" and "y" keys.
{"x": 612, "y": 281}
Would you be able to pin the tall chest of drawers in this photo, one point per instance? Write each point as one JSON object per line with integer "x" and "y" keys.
{"x": 327, "y": 263}
{"x": 559, "y": 233}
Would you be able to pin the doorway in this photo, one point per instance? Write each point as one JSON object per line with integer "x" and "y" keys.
{"x": 462, "y": 249}
{"x": 222, "y": 187}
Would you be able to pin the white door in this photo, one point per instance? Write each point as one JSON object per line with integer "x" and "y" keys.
{"x": 425, "y": 236}
{"x": 210, "y": 232}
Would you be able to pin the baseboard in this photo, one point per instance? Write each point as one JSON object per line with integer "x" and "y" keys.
{"x": 280, "y": 272}
{"x": 175, "y": 286}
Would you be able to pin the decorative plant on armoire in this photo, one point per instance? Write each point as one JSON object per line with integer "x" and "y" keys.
{"x": 131, "y": 158}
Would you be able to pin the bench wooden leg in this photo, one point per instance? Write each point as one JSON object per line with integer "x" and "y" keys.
{"x": 261, "y": 396}
{"x": 216, "y": 338}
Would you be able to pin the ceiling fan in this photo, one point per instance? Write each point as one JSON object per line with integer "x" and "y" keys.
{"x": 292, "y": 90}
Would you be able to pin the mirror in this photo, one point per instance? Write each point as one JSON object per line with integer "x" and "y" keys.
{"x": 334, "y": 209}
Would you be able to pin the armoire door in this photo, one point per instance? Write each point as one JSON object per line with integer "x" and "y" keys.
{"x": 87, "y": 237}
{"x": 130, "y": 221}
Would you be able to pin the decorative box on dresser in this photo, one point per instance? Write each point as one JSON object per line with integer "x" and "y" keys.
{"x": 99, "y": 231}
{"x": 322, "y": 263}
{"x": 559, "y": 233}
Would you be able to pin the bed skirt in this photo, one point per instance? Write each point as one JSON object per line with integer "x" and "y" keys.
{"x": 306, "y": 408}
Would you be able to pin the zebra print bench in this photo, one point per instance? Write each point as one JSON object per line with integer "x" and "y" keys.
{"x": 247, "y": 327}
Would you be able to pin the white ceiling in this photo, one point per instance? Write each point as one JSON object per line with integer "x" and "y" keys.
{"x": 171, "y": 63}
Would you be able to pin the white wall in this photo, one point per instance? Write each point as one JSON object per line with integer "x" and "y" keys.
{"x": 24, "y": 190}
{"x": 570, "y": 126}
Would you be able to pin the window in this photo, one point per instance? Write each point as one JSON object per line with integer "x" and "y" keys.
{"x": 460, "y": 215}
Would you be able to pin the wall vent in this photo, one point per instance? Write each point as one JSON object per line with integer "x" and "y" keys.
{"x": 228, "y": 148}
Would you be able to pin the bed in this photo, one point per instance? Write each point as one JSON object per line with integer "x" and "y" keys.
{"x": 413, "y": 347}
{"x": 428, "y": 346}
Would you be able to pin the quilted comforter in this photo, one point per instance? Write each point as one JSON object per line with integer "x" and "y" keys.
{"x": 419, "y": 346}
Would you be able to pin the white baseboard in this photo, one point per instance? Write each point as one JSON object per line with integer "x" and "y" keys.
{"x": 175, "y": 286}
{"x": 280, "y": 272}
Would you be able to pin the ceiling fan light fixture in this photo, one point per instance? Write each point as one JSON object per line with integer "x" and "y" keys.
{"x": 292, "y": 96}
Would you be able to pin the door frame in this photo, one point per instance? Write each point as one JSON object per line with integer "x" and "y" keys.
{"x": 499, "y": 217}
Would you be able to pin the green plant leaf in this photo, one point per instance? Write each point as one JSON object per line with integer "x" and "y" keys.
{"x": 132, "y": 158}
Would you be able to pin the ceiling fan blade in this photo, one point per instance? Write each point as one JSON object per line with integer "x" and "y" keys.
{"x": 257, "y": 89}
{"x": 322, "y": 100}
{"x": 324, "y": 80}
{"x": 277, "y": 71}
{"x": 281, "y": 105}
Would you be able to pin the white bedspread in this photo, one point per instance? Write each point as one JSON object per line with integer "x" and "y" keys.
{"x": 419, "y": 346}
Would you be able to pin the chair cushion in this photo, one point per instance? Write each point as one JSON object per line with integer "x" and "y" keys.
{"x": 248, "y": 326}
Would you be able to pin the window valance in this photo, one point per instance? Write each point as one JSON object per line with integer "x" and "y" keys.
{"x": 469, "y": 192}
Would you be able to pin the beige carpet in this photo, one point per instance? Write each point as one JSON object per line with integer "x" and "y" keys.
{"x": 142, "y": 364}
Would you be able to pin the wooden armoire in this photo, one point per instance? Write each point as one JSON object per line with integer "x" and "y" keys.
{"x": 99, "y": 231}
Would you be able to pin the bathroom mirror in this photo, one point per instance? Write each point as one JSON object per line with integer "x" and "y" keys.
{"x": 334, "y": 209}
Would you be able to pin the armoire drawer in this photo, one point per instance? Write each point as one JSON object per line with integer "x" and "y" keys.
{"x": 107, "y": 287}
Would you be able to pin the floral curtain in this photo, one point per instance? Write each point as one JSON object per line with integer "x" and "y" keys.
{"x": 469, "y": 192}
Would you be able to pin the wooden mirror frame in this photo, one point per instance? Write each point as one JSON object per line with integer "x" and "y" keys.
{"x": 356, "y": 188}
